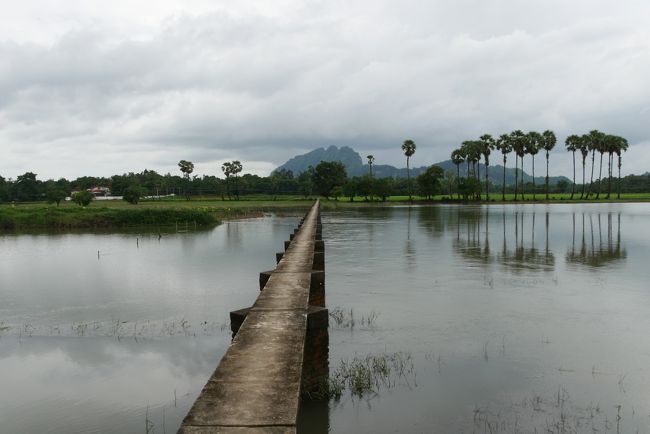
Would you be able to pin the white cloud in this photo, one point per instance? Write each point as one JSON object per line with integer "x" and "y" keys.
{"x": 97, "y": 88}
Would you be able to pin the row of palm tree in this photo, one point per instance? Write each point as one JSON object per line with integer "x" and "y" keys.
{"x": 596, "y": 141}
{"x": 532, "y": 143}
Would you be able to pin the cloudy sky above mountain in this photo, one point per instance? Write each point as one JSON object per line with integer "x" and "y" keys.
{"x": 96, "y": 87}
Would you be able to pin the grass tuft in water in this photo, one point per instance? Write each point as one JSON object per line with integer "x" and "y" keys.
{"x": 364, "y": 377}
{"x": 345, "y": 319}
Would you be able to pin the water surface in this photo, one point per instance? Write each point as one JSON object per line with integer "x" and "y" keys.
{"x": 517, "y": 318}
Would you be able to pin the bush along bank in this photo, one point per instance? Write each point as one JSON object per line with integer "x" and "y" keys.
{"x": 90, "y": 217}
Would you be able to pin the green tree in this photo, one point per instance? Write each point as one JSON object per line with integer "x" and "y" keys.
{"x": 503, "y": 144}
{"x": 572, "y": 144}
{"x": 383, "y": 188}
{"x": 622, "y": 147}
{"x": 365, "y": 186}
{"x": 327, "y": 176}
{"x": 232, "y": 168}
{"x": 548, "y": 143}
{"x": 457, "y": 158}
{"x": 237, "y": 167}
{"x": 26, "y": 187}
{"x": 472, "y": 151}
{"x": 602, "y": 149}
{"x": 429, "y": 181}
{"x": 408, "y": 147}
{"x": 350, "y": 189}
{"x": 186, "y": 167}
{"x": 305, "y": 182}
{"x": 532, "y": 147}
{"x": 371, "y": 161}
{"x": 518, "y": 140}
{"x": 4, "y": 190}
{"x": 594, "y": 139}
{"x": 486, "y": 144}
{"x": 133, "y": 193}
{"x": 83, "y": 197}
{"x": 55, "y": 195}
{"x": 469, "y": 187}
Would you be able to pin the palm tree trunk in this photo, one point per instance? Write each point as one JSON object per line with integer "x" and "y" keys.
{"x": 533, "y": 179}
{"x": 503, "y": 192}
{"x": 523, "y": 184}
{"x": 609, "y": 171}
{"x": 619, "y": 177}
{"x": 546, "y": 175}
{"x": 584, "y": 160}
{"x": 458, "y": 181}
{"x": 487, "y": 189}
{"x": 516, "y": 175}
{"x": 573, "y": 189}
{"x": 478, "y": 178}
{"x": 408, "y": 178}
{"x": 591, "y": 183}
{"x": 600, "y": 175}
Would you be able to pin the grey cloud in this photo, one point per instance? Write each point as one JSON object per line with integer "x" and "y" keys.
{"x": 247, "y": 85}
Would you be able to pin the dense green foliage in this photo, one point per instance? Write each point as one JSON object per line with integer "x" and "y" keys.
{"x": 133, "y": 194}
{"x": 83, "y": 197}
{"x": 104, "y": 217}
{"x": 329, "y": 178}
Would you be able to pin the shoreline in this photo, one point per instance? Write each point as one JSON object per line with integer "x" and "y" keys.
{"x": 30, "y": 217}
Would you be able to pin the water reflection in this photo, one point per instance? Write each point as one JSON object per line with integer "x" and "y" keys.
{"x": 470, "y": 243}
{"x": 472, "y": 240}
{"x": 594, "y": 250}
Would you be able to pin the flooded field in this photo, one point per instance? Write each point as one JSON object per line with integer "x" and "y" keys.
{"x": 452, "y": 319}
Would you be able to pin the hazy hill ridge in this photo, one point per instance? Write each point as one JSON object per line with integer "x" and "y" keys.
{"x": 355, "y": 166}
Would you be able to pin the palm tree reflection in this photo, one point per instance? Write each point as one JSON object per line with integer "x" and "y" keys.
{"x": 604, "y": 252}
{"x": 525, "y": 255}
{"x": 472, "y": 240}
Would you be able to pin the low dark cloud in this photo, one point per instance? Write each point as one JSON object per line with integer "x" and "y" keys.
{"x": 259, "y": 85}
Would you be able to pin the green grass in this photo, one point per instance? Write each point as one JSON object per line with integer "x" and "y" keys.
{"x": 120, "y": 214}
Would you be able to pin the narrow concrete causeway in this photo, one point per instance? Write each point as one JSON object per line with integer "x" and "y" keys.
{"x": 274, "y": 358}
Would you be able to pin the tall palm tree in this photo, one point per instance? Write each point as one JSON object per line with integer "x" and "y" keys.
{"x": 611, "y": 143}
{"x": 457, "y": 158}
{"x": 602, "y": 149}
{"x": 408, "y": 147}
{"x": 371, "y": 161}
{"x": 572, "y": 144}
{"x": 622, "y": 147}
{"x": 584, "y": 150}
{"x": 518, "y": 140}
{"x": 487, "y": 145}
{"x": 595, "y": 138}
{"x": 504, "y": 145}
{"x": 532, "y": 147}
{"x": 466, "y": 151}
{"x": 548, "y": 143}
{"x": 473, "y": 156}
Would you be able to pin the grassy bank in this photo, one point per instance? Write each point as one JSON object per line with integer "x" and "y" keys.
{"x": 35, "y": 217}
{"x": 119, "y": 214}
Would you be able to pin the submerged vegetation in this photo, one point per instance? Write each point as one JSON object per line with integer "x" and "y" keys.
{"x": 363, "y": 377}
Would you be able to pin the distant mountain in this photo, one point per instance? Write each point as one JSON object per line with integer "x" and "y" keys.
{"x": 354, "y": 166}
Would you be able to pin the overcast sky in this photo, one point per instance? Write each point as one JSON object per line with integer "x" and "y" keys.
{"x": 98, "y": 87}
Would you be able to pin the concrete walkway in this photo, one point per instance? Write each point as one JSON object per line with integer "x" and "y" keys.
{"x": 257, "y": 385}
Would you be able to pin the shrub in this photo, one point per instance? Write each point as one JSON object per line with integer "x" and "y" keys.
{"x": 83, "y": 198}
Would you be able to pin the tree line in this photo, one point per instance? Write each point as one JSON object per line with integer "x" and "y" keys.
{"x": 330, "y": 179}
{"x": 531, "y": 143}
